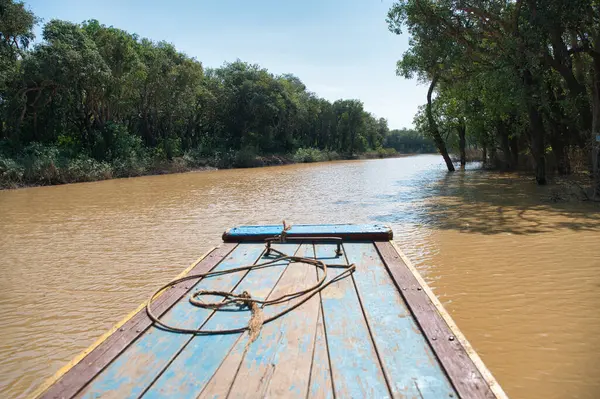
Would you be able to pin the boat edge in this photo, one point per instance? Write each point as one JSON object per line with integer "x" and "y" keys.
{"x": 39, "y": 391}
{"x": 485, "y": 372}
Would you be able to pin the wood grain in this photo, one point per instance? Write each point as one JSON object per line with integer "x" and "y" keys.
{"x": 130, "y": 373}
{"x": 355, "y": 367}
{"x": 194, "y": 366}
{"x": 462, "y": 372}
{"x": 278, "y": 363}
{"x": 320, "y": 373}
{"x": 408, "y": 362}
{"x": 84, "y": 371}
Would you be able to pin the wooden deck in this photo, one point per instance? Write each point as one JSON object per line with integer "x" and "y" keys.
{"x": 373, "y": 334}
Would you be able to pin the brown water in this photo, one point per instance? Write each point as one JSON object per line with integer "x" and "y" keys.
{"x": 521, "y": 276}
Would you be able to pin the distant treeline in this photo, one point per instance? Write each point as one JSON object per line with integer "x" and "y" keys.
{"x": 409, "y": 141}
{"x": 91, "y": 102}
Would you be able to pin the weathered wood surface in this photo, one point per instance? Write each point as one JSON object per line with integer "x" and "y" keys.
{"x": 408, "y": 362}
{"x": 84, "y": 371}
{"x": 194, "y": 366}
{"x": 371, "y": 334}
{"x": 278, "y": 363}
{"x": 372, "y": 232}
{"x": 320, "y": 374}
{"x": 464, "y": 375}
{"x": 355, "y": 368}
{"x": 133, "y": 371}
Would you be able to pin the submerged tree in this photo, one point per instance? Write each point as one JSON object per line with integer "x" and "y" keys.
{"x": 526, "y": 72}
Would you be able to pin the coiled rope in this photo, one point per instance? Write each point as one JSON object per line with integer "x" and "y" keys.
{"x": 245, "y": 298}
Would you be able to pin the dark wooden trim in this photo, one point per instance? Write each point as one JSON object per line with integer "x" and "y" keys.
{"x": 462, "y": 372}
{"x": 383, "y": 236}
{"x": 91, "y": 365}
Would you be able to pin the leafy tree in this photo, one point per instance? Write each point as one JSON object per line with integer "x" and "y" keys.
{"x": 522, "y": 75}
{"x": 16, "y": 33}
{"x": 91, "y": 94}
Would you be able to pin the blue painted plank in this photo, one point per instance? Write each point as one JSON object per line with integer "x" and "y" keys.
{"x": 141, "y": 363}
{"x": 370, "y": 231}
{"x": 408, "y": 361}
{"x": 320, "y": 373}
{"x": 192, "y": 369}
{"x": 278, "y": 364}
{"x": 355, "y": 368}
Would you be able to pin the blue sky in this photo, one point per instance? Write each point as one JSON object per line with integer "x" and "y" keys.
{"x": 338, "y": 48}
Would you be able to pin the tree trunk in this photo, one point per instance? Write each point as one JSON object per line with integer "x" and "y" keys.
{"x": 504, "y": 144}
{"x": 484, "y": 155}
{"x": 514, "y": 150}
{"x": 538, "y": 148}
{"x": 563, "y": 163}
{"x": 437, "y": 137}
{"x": 595, "y": 119}
{"x": 462, "y": 143}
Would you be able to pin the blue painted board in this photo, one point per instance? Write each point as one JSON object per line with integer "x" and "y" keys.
{"x": 278, "y": 363}
{"x": 355, "y": 368}
{"x": 347, "y": 231}
{"x": 129, "y": 374}
{"x": 408, "y": 361}
{"x": 320, "y": 373}
{"x": 189, "y": 373}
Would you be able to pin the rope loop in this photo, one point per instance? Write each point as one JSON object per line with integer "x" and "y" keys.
{"x": 245, "y": 299}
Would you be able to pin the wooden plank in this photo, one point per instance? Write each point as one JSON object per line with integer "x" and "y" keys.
{"x": 278, "y": 364}
{"x": 86, "y": 369}
{"x": 355, "y": 367}
{"x": 221, "y": 382}
{"x": 463, "y": 373}
{"x": 487, "y": 375}
{"x": 188, "y": 374}
{"x": 373, "y": 232}
{"x": 130, "y": 373}
{"x": 320, "y": 373}
{"x": 408, "y": 361}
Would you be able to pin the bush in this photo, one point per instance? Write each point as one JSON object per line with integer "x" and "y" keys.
{"x": 332, "y": 156}
{"x": 195, "y": 157}
{"x": 41, "y": 164}
{"x": 247, "y": 158}
{"x": 309, "y": 155}
{"x": 223, "y": 159}
{"x": 11, "y": 173}
{"x": 381, "y": 153}
{"x": 84, "y": 168}
{"x": 171, "y": 147}
{"x": 124, "y": 145}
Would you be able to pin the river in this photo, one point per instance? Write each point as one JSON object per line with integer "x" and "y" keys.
{"x": 519, "y": 274}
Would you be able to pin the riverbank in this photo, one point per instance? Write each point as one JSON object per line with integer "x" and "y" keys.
{"x": 47, "y": 166}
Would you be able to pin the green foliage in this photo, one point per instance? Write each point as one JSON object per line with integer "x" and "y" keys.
{"x": 509, "y": 76}
{"x": 83, "y": 169}
{"x": 99, "y": 100}
{"x": 305, "y": 155}
{"x": 247, "y": 158}
{"x": 11, "y": 172}
{"x": 409, "y": 141}
{"x": 381, "y": 153}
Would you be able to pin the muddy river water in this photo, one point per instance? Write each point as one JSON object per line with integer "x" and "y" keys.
{"x": 519, "y": 274}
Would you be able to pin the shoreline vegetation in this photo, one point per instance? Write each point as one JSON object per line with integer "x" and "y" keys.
{"x": 48, "y": 169}
{"x": 93, "y": 102}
